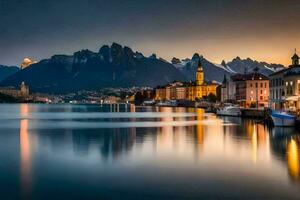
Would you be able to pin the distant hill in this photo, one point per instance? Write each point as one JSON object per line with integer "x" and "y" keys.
{"x": 6, "y": 71}
{"x": 113, "y": 66}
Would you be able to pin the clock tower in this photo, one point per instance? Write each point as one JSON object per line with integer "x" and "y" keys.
{"x": 199, "y": 74}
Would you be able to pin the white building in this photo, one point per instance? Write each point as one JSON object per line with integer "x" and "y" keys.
{"x": 285, "y": 87}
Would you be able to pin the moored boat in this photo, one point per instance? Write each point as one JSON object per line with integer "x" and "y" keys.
{"x": 167, "y": 103}
{"x": 229, "y": 111}
{"x": 283, "y": 119}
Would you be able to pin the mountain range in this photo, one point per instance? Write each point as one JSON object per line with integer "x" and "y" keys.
{"x": 114, "y": 66}
{"x": 215, "y": 72}
{"x": 118, "y": 66}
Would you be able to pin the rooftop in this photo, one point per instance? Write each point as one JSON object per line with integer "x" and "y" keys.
{"x": 251, "y": 76}
{"x": 291, "y": 67}
{"x": 295, "y": 56}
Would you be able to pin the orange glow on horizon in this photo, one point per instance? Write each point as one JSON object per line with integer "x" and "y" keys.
{"x": 216, "y": 50}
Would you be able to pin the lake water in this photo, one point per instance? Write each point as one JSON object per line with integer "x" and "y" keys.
{"x": 127, "y": 152}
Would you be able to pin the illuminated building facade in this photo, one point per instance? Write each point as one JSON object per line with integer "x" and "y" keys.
{"x": 285, "y": 87}
{"x": 187, "y": 91}
{"x": 249, "y": 90}
{"x": 11, "y": 91}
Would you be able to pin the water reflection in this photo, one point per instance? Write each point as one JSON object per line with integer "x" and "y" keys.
{"x": 285, "y": 144}
{"x": 293, "y": 158}
{"x": 110, "y": 143}
{"x": 25, "y": 152}
{"x": 212, "y": 147}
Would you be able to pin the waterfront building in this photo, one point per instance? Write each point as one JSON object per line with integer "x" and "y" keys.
{"x": 228, "y": 90}
{"x": 24, "y": 89}
{"x": 199, "y": 88}
{"x": 285, "y": 87}
{"x": 160, "y": 93}
{"x": 14, "y": 92}
{"x": 249, "y": 90}
{"x": 181, "y": 92}
{"x": 224, "y": 90}
{"x": 187, "y": 91}
{"x": 172, "y": 91}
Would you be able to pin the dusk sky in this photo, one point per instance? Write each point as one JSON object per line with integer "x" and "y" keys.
{"x": 263, "y": 30}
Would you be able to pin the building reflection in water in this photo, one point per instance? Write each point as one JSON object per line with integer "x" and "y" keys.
{"x": 199, "y": 133}
{"x": 260, "y": 141}
{"x": 292, "y": 154}
{"x": 227, "y": 140}
{"x": 25, "y": 154}
{"x": 285, "y": 144}
{"x": 180, "y": 140}
{"x": 164, "y": 140}
{"x": 254, "y": 143}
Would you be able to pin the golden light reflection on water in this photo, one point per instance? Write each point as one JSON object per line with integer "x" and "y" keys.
{"x": 254, "y": 144}
{"x": 293, "y": 158}
{"x": 200, "y": 134}
{"x": 214, "y": 140}
{"x": 240, "y": 143}
{"x": 165, "y": 133}
{"x": 25, "y": 153}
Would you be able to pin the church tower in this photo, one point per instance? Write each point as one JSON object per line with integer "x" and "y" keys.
{"x": 199, "y": 74}
{"x": 24, "y": 89}
{"x": 295, "y": 59}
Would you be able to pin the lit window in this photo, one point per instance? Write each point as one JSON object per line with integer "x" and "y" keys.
{"x": 291, "y": 82}
{"x": 265, "y": 92}
{"x": 251, "y": 92}
{"x": 286, "y": 83}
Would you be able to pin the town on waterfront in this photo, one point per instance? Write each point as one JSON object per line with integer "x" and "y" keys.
{"x": 149, "y": 100}
{"x": 249, "y": 94}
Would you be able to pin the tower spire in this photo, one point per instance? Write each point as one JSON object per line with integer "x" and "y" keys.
{"x": 199, "y": 64}
{"x": 199, "y": 73}
{"x": 295, "y": 58}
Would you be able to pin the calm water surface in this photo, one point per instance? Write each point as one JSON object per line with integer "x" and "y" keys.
{"x": 127, "y": 152}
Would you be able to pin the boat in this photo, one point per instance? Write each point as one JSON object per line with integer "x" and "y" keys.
{"x": 148, "y": 103}
{"x": 167, "y": 103}
{"x": 283, "y": 119}
{"x": 234, "y": 111}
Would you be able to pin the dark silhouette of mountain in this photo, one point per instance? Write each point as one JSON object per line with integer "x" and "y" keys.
{"x": 216, "y": 72}
{"x": 114, "y": 66}
{"x": 117, "y": 66}
{"x": 6, "y": 71}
